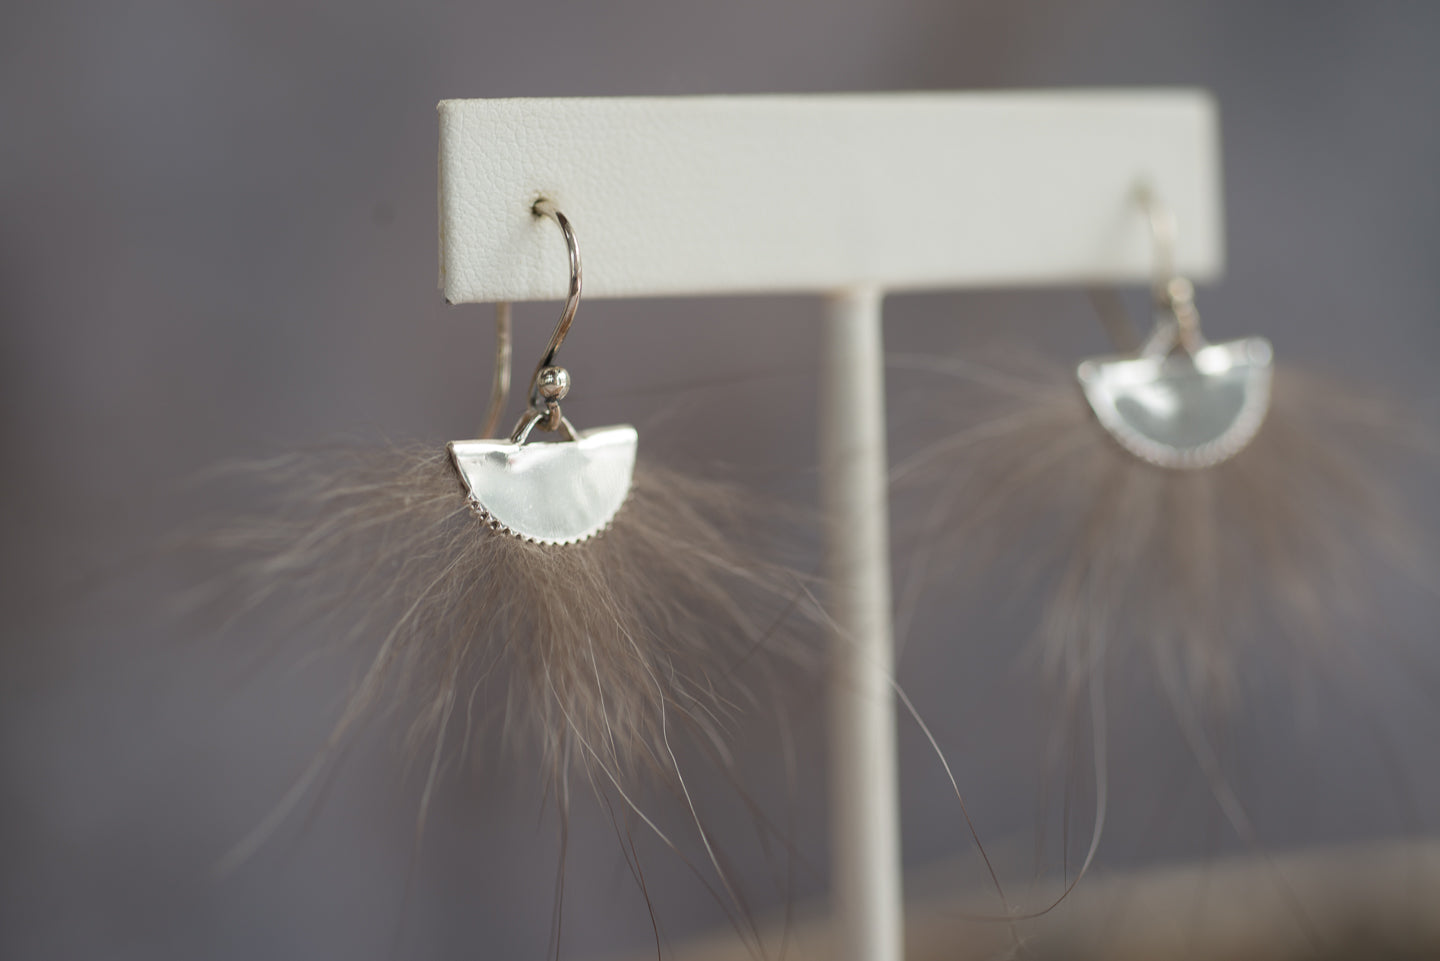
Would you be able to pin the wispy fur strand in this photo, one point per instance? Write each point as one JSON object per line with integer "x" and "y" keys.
{"x": 593, "y": 654}
{"x": 1278, "y": 550}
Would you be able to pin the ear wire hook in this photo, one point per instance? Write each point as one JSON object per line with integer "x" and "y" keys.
{"x": 547, "y": 208}
{"x": 550, "y": 384}
{"x": 1172, "y": 293}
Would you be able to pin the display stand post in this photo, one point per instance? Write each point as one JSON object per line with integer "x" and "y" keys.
{"x": 864, "y": 804}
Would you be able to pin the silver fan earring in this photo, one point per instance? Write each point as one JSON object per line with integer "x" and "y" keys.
{"x": 1179, "y": 401}
{"x": 1197, "y": 504}
{"x": 558, "y": 493}
{"x": 596, "y": 607}
{"x": 1198, "y": 515}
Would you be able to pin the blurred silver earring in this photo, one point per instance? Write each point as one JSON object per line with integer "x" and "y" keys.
{"x": 1179, "y": 401}
{"x": 1187, "y": 515}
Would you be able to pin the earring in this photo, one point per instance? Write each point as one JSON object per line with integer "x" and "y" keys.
{"x": 596, "y": 607}
{"x": 1183, "y": 512}
{"x": 1189, "y": 510}
{"x": 562, "y": 493}
{"x": 1179, "y": 402}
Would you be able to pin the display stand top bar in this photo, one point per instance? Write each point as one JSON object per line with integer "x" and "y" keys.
{"x": 755, "y": 194}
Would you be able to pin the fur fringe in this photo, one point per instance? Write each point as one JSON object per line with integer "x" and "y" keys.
{"x": 594, "y": 654}
{"x": 1192, "y": 570}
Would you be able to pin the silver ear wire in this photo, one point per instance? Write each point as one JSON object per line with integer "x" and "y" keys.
{"x": 1173, "y": 296}
{"x": 547, "y": 493}
{"x": 550, "y": 384}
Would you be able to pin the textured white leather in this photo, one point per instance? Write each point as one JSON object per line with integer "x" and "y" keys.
{"x": 787, "y": 193}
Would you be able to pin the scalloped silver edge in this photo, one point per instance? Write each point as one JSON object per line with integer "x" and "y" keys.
{"x": 494, "y": 525}
{"x": 1236, "y": 438}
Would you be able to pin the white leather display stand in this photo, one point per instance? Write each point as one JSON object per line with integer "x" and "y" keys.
{"x": 849, "y": 197}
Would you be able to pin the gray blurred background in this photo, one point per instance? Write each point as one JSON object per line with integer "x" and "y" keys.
{"x": 217, "y": 238}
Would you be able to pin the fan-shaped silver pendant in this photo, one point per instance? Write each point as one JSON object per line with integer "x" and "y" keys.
{"x": 1182, "y": 409}
{"x": 556, "y": 493}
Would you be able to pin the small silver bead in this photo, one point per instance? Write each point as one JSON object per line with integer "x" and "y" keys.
{"x": 553, "y": 383}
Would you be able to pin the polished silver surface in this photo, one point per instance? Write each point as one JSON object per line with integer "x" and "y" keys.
{"x": 552, "y": 383}
{"x": 1183, "y": 410}
{"x": 556, "y": 493}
